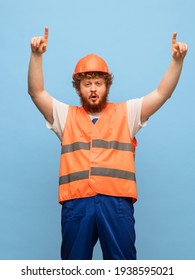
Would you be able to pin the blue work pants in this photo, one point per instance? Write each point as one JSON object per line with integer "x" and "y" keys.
{"x": 111, "y": 219}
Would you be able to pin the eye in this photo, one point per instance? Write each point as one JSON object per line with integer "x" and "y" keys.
{"x": 87, "y": 84}
{"x": 99, "y": 84}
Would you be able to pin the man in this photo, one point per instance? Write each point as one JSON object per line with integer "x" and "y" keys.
{"x": 97, "y": 186}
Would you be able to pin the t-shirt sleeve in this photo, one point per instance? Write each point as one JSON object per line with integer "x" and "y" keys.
{"x": 60, "y": 112}
{"x": 134, "y": 116}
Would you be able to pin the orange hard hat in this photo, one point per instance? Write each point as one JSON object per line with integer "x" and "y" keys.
{"x": 91, "y": 63}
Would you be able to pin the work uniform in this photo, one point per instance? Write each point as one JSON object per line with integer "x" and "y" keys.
{"x": 97, "y": 186}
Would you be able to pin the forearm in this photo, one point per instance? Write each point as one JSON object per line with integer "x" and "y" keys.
{"x": 35, "y": 75}
{"x": 170, "y": 79}
{"x": 154, "y": 100}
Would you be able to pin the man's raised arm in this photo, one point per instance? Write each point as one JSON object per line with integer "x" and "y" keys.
{"x": 154, "y": 100}
{"x": 36, "y": 89}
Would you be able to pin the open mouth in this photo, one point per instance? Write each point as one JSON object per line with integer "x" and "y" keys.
{"x": 93, "y": 97}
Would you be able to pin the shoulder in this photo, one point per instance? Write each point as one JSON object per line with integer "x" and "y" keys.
{"x": 130, "y": 105}
{"x": 58, "y": 105}
{"x": 134, "y": 103}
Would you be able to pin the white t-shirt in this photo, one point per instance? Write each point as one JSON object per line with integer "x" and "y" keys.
{"x": 60, "y": 112}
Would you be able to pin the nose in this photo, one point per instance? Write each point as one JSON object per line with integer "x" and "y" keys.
{"x": 93, "y": 87}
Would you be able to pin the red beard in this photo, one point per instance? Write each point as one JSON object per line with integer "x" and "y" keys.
{"x": 94, "y": 108}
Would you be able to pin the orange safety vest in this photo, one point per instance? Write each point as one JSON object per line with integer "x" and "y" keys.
{"x": 97, "y": 159}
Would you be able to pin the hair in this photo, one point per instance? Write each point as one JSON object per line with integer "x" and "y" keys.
{"x": 91, "y": 75}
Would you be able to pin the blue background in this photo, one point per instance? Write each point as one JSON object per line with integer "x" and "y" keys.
{"x": 134, "y": 38}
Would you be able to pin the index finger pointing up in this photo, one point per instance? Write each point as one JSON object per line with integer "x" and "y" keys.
{"x": 46, "y": 33}
{"x": 174, "y": 38}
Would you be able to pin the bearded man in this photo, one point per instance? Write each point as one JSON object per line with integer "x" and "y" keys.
{"x": 97, "y": 182}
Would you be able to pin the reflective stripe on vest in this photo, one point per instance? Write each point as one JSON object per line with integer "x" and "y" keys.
{"x": 96, "y": 144}
{"x": 80, "y": 175}
{"x": 97, "y": 171}
{"x": 75, "y": 147}
{"x": 111, "y": 145}
{"x": 115, "y": 173}
{"x": 97, "y": 158}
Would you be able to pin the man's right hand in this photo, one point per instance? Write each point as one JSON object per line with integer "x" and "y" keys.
{"x": 39, "y": 44}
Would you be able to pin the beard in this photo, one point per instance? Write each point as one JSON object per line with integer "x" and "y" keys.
{"x": 92, "y": 107}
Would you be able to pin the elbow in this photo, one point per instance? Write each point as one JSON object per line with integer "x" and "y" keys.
{"x": 29, "y": 92}
{"x": 32, "y": 93}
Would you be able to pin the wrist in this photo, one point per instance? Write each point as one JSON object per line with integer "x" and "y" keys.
{"x": 36, "y": 54}
{"x": 177, "y": 61}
